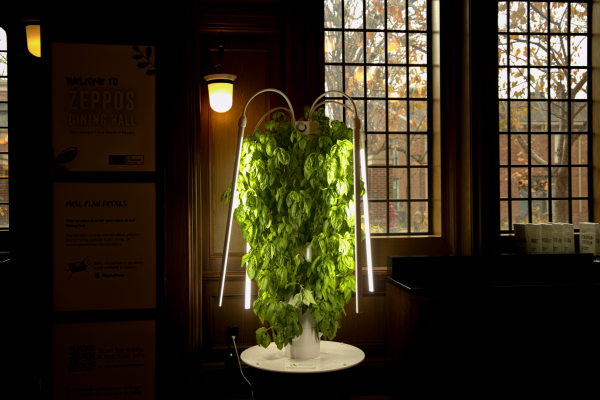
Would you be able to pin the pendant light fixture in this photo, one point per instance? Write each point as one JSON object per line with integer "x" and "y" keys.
{"x": 32, "y": 30}
{"x": 220, "y": 85}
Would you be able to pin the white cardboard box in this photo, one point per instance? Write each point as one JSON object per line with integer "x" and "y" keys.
{"x": 521, "y": 239}
{"x": 535, "y": 238}
{"x": 587, "y": 237}
{"x": 558, "y": 237}
{"x": 547, "y": 239}
{"x": 569, "y": 239}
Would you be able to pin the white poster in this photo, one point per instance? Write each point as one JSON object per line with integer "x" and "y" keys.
{"x": 103, "y": 107}
{"x": 104, "y": 246}
{"x": 114, "y": 360}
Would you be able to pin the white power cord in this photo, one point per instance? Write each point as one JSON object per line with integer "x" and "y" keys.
{"x": 238, "y": 357}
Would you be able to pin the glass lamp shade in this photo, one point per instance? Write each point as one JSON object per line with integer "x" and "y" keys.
{"x": 32, "y": 29}
{"x": 220, "y": 91}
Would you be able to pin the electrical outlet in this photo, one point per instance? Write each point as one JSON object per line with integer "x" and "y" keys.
{"x": 233, "y": 331}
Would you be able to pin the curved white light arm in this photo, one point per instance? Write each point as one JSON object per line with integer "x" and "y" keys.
{"x": 363, "y": 173}
{"x": 241, "y": 126}
{"x": 356, "y": 166}
{"x": 269, "y": 112}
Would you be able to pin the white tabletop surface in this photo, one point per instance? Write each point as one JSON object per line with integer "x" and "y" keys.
{"x": 334, "y": 357}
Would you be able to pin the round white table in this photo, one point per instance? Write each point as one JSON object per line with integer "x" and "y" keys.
{"x": 273, "y": 376}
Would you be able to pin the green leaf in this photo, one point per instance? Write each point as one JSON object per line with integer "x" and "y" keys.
{"x": 309, "y": 297}
{"x": 297, "y": 300}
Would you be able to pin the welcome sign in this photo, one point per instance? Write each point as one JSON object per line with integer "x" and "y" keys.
{"x": 103, "y": 107}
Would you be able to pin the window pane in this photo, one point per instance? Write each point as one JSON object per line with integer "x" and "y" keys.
{"x": 559, "y": 149}
{"x": 519, "y": 186}
{"x": 396, "y": 48}
{"x": 558, "y": 116}
{"x": 520, "y": 212}
{"x": 3, "y": 190}
{"x": 396, "y": 14}
{"x": 518, "y": 152}
{"x": 518, "y": 16}
{"x": 417, "y": 15}
{"x": 333, "y": 13}
{"x": 3, "y": 140}
{"x": 375, "y": 149}
{"x": 377, "y": 183}
{"x": 502, "y": 50}
{"x": 503, "y": 116}
{"x": 579, "y": 18}
{"x": 579, "y": 83}
{"x": 579, "y": 182}
{"x": 559, "y": 46}
{"x": 580, "y": 212}
{"x": 398, "y": 149}
{"x": 334, "y": 112}
{"x": 397, "y": 86}
{"x": 398, "y": 188}
{"x": 503, "y": 183}
{"x": 2, "y": 40}
{"x": 538, "y": 46}
{"x": 417, "y": 82}
{"x": 538, "y": 16}
{"x": 375, "y": 15}
{"x": 397, "y": 115}
{"x": 538, "y": 81}
{"x": 560, "y": 211}
{"x": 353, "y": 47}
{"x": 375, "y": 47}
{"x": 333, "y": 46}
{"x": 419, "y": 216}
{"x": 579, "y": 150}
{"x": 353, "y": 14}
{"x": 418, "y": 116}
{"x": 539, "y": 184}
{"x": 518, "y": 116}
{"x": 504, "y": 216}
{"x": 4, "y": 215}
{"x": 502, "y": 16}
{"x": 360, "y": 107}
{"x": 417, "y": 48}
{"x": 518, "y": 83}
{"x": 418, "y": 149}
{"x": 376, "y": 81}
{"x": 355, "y": 77}
{"x": 3, "y": 114}
{"x": 333, "y": 79}
{"x": 518, "y": 50}
{"x": 397, "y": 211}
{"x": 418, "y": 183}
{"x": 3, "y": 165}
{"x": 558, "y": 17}
{"x": 579, "y": 117}
{"x": 502, "y": 83}
{"x": 376, "y": 115}
{"x": 539, "y": 116}
{"x": 579, "y": 51}
{"x": 539, "y": 149}
{"x": 503, "y": 149}
{"x": 540, "y": 214}
{"x": 378, "y": 217}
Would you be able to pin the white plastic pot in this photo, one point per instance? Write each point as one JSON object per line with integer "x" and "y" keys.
{"x": 308, "y": 344}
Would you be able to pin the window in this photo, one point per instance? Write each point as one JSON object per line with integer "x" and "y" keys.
{"x": 543, "y": 69}
{"x": 378, "y": 52}
{"x": 3, "y": 132}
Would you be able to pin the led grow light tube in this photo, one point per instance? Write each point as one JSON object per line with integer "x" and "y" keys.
{"x": 363, "y": 173}
{"x": 356, "y": 166}
{"x": 241, "y": 126}
{"x": 247, "y": 294}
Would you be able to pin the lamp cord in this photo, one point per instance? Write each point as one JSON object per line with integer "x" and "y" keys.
{"x": 238, "y": 357}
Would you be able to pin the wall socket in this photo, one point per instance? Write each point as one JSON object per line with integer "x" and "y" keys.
{"x": 233, "y": 331}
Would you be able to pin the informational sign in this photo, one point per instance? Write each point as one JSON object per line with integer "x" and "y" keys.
{"x": 114, "y": 360}
{"x": 103, "y": 107}
{"x": 104, "y": 246}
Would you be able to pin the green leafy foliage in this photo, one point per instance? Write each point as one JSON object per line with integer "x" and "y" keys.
{"x": 295, "y": 189}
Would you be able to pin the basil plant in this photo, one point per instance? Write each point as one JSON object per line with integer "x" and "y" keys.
{"x": 295, "y": 189}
